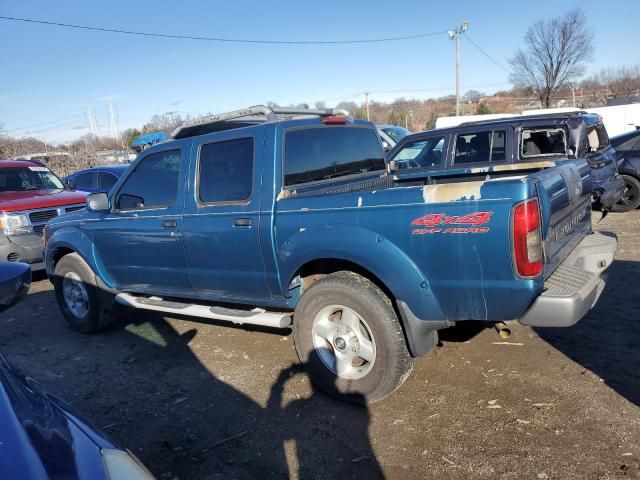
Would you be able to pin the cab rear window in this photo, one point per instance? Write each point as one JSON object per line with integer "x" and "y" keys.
{"x": 328, "y": 152}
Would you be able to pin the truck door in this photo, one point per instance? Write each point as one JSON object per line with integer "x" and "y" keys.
{"x": 139, "y": 242}
{"x": 222, "y": 216}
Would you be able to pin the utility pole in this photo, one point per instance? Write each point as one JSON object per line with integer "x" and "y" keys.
{"x": 171, "y": 115}
{"x": 366, "y": 102}
{"x": 455, "y": 34}
{"x": 573, "y": 93}
{"x": 406, "y": 119}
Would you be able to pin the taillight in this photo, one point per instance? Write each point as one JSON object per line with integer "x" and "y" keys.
{"x": 527, "y": 239}
{"x": 334, "y": 120}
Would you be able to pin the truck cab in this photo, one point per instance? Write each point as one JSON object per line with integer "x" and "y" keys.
{"x": 293, "y": 219}
{"x": 30, "y": 195}
{"x": 517, "y": 143}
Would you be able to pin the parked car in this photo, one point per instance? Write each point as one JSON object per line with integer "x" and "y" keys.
{"x": 627, "y": 148}
{"x": 391, "y": 134}
{"x": 290, "y": 218}
{"x": 15, "y": 279}
{"x": 41, "y": 436}
{"x": 30, "y": 195}
{"x": 535, "y": 141}
{"x": 95, "y": 179}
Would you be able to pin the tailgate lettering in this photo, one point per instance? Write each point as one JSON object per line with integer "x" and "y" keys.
{"x": 559, "y": 232}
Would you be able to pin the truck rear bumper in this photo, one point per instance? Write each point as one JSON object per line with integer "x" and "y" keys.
{"x": 575, "y": 286}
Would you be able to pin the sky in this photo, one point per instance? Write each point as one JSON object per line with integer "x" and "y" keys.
{"x": 51, "y": 75}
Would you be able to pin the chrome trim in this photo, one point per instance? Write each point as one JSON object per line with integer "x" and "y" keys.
{"x": 38, "y": 227}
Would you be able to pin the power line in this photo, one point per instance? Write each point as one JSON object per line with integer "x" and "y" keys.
{"x": 487, "y": 55}
{"x": 72, "y": 117}
{"x": 221, "y": 39}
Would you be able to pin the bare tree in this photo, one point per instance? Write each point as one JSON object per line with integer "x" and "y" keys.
{"x": 556, "y": 53}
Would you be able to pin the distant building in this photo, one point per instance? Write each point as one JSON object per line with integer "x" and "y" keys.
{"x": 612, "y": 102}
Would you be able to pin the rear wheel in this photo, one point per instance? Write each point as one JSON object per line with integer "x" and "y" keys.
{"x": 83, "y": 305}
{"x": 349, "y": 338}
{"x": 631, "y": 197}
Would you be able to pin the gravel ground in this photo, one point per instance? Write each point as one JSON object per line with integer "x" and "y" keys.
{"x": 203, "y": 400}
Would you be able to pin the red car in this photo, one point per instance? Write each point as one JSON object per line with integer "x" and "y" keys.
{"x": 30, "y": 195}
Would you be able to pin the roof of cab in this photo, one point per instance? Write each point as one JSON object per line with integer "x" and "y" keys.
{"x": 19, "y": 163}
{"x": 255, "y": 115}
{"x": 546, "y": 119}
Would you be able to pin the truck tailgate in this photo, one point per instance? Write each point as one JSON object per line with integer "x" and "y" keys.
{"x": 565, "y": 206}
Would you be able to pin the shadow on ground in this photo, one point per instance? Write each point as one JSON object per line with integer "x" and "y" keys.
{"x": 143, "y": 381}
{"x": 607, "y": 340}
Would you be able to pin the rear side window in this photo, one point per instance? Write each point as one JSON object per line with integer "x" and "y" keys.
{"x": 597, "y": 138}
{"x": 226, "y": 171}
{"x": 480, "y": 147}
{"x": 424, "y": 153}
{"x": 543, "y": 141}
{"x": 152, "y": 184}
{"x": 107, "y": 181}
{"x": 85, "y": 180}
{"x": 314, "y": 154}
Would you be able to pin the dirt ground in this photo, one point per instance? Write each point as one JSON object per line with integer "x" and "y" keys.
{"x": 202, "y": 400}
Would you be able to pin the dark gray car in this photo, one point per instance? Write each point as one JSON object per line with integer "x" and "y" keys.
{"x": 627, "y": 148}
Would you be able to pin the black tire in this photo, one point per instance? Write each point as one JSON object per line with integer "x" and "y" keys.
{"x": 392, "y": 363}
{"x": 631, "y": 198}
{"x": 99, "y": 314}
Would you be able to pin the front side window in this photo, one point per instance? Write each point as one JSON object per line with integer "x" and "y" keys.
{"x": 18, "y": 179}
{"x": 226, "y": 171}
{"x": 152, "y": 184}
{"x": 543, "y": 141}
{"x": 424, "y": 153}
{"x": 315, "y": 154}
{"x": 480, "y": 147}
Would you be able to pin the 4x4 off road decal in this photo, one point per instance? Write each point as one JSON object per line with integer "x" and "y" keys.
{"x": 432, "y": 223}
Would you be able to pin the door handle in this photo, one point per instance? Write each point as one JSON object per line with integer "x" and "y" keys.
{"x": 242, "y": 222}
{"x": 169, "y": 224}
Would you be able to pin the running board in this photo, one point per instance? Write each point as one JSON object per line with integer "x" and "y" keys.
{"x": 257, "y": 316}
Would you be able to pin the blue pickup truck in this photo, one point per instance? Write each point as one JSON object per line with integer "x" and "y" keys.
{"x": 287, "y": 218}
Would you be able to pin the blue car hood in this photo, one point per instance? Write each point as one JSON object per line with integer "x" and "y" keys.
{"x": 42, "y": 438}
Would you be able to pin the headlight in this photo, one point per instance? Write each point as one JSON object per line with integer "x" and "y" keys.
{"x": 15, "y": 224}
{"x": 124, "y": 466}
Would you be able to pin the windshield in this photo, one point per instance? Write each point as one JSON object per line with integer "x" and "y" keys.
{"x": 18, "y": 179}
{"x": 396, "y": 133}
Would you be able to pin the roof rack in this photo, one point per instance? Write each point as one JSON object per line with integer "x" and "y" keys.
{"x": 255, "y": 114}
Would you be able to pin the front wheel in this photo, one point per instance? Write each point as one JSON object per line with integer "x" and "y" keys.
{"x": 78, "y": 295}
{"x": 349, "y": 339}
{"x": 631, "y": 197}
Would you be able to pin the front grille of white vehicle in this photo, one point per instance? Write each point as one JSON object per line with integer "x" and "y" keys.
{"x": 40, "y": 217}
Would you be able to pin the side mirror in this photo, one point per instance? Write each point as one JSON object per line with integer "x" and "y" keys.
{"x": 98, "y": 202}
{"x": 15, "y": 279}
{"x": 386, "y": 145}
{"x": 71, "y": 184}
